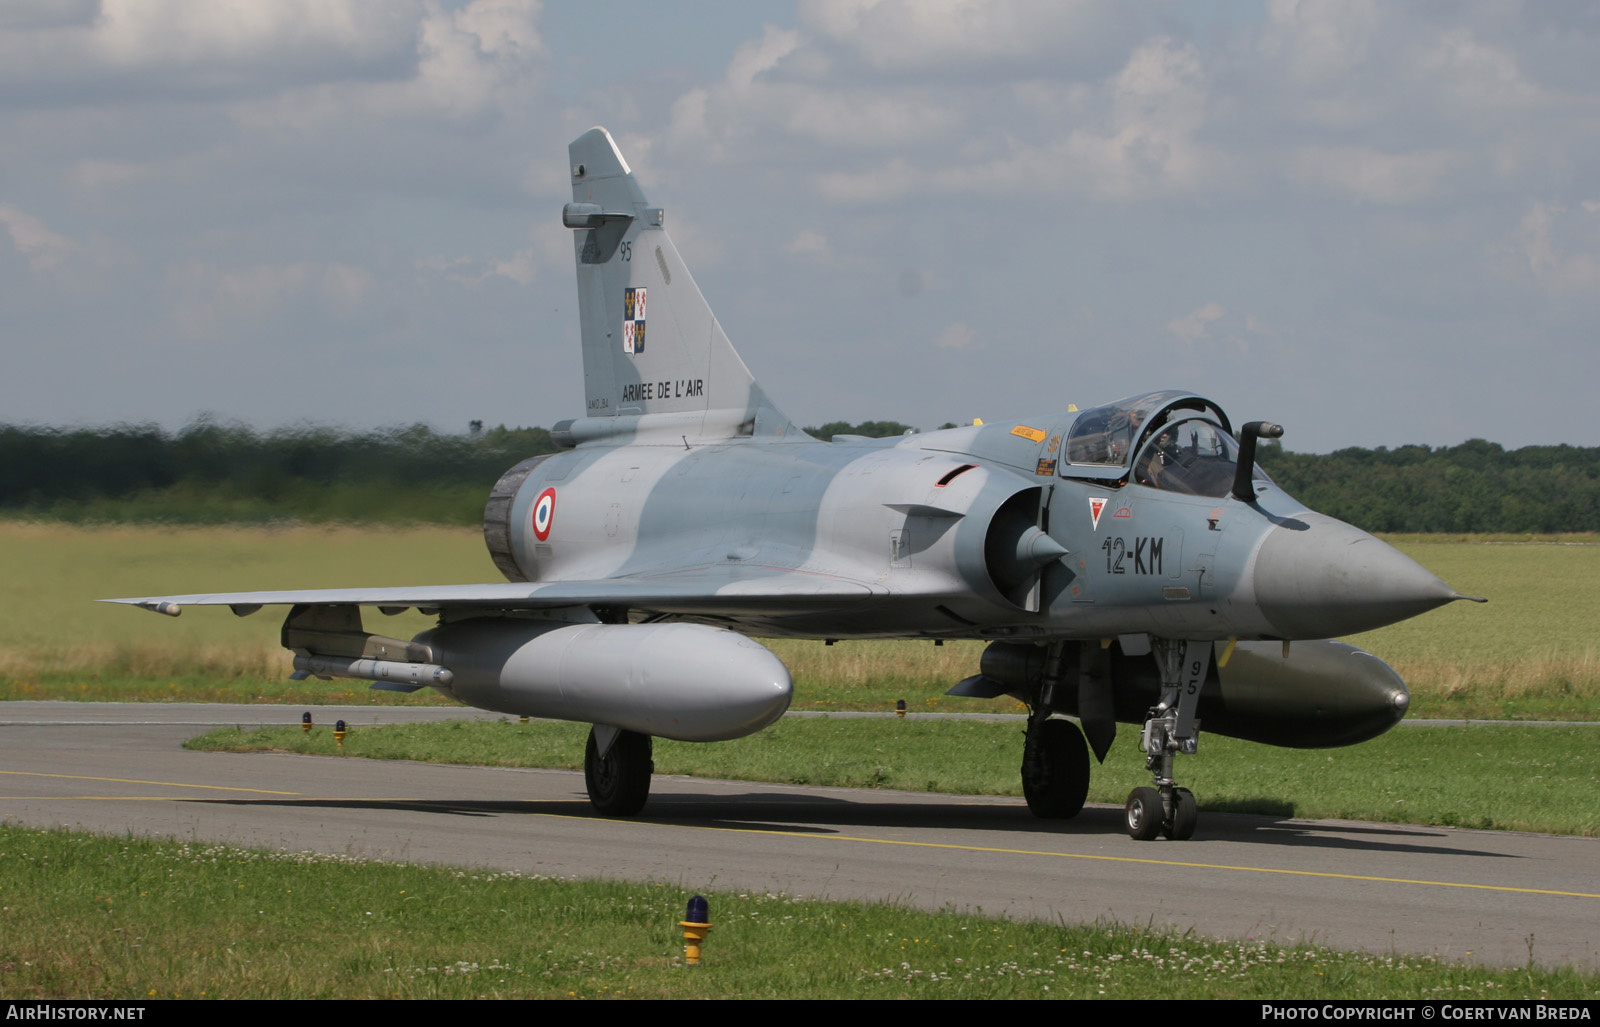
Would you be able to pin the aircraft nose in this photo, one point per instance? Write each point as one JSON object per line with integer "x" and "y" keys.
{"x": 1317, "y": 577}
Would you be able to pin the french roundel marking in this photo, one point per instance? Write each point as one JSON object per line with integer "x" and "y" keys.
{"x": 544, "y": 514}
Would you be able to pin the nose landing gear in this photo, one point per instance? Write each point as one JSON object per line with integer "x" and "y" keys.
{"x": 1169, "y": 729}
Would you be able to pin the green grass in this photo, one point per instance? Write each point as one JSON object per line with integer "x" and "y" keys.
{"x": 1539, "y": 604}
{"x": 85, "y": 917}
{"x": 55, "y": 572}
{"x": 1505, "y": 777}
{"x": 61, "y": 644}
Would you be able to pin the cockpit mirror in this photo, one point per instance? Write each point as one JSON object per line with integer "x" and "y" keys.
{"x": 1245, "y": 470}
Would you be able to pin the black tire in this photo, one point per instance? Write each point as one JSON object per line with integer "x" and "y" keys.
{"x": 1066, "y": 785}
{"x": 619, "y": 783}
{"x": 1145, "y": 814}
{"x": 1185, "y": 815}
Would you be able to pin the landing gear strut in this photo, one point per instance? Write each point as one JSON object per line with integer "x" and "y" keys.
{"x": 1055, "y": 758}
{"x": 1170, "y": 728}
{"x": 617, "y": 766}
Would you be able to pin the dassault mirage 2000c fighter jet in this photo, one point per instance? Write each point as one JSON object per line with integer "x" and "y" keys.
{"x": 1127, "y": 563}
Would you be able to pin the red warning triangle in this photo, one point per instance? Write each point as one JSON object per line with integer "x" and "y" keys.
{"x": 1096, "y": 504}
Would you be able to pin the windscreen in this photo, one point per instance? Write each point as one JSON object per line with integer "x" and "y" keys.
{"x": 1105, "y": 436}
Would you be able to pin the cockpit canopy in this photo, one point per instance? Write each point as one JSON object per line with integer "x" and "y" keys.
{"x": 1170, "y": 440}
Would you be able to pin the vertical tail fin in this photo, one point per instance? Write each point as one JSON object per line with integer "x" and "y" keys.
{"x": 651, "y": 344}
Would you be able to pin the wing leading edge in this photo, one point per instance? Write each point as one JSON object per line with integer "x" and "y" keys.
{"x": 706, "y": 590}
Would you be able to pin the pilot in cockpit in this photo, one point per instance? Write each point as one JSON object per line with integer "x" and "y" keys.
{"x": 1160, "y": 454}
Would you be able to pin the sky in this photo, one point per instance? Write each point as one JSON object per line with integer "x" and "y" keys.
{"x": 1374, "y": 223}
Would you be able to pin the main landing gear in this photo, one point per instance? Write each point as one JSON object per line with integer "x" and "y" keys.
{"x": 617, "y": 766}
{"x": 1170, "y": 728}
{"x": 1055, "y": 758}
{"x": 1055, "y": 768}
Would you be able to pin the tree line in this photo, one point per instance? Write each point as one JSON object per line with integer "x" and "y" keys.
{"x": 211, "y": 472}
{"x": 219, "y": 473}
{"x": 1477, "y": 486}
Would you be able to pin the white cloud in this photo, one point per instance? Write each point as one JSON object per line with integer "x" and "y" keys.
{"x": 506, "y": 30}
{"x": 43, "y": 249}
{"x": 956, "y": 336}
{"x": 296, "y": 67}
{"x": 892, "y": 179}
{"x": 1137, "y": 132}
{"x": 1321, "y": 41}
{"x": 688, "y": 122}
{"x": 1474, "y": 75}
{"x": 706, "y": 120}
{"x": 199, "y": 47}
{"x": 1559, "y": 268}
{"x": 1148, "y": 142}
{"x": 850, "y": 119}
{"x": 69, "y": 266}
{"x": 521, "y": 267}
{"x": 1365, "y": 173}
{"x": 1197, "y": 323}
{"x": 205, "y": 302}
{"x": 45, "y": 14}
{"x": 953, "y": 38}
{"x": 810, "y": 243}
{"x": 469, "y": 56}
{"x": 760, "y": 56}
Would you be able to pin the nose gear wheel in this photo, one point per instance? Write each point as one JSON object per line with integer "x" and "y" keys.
{"x": 1144, "y": 813}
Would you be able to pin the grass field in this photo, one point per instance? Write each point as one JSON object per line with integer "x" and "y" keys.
{"x": 101, "y": 918}
{"x": 60, "y": 643}
{"x": 1503, "y": 776}
{"x": 1530, "y": 653}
